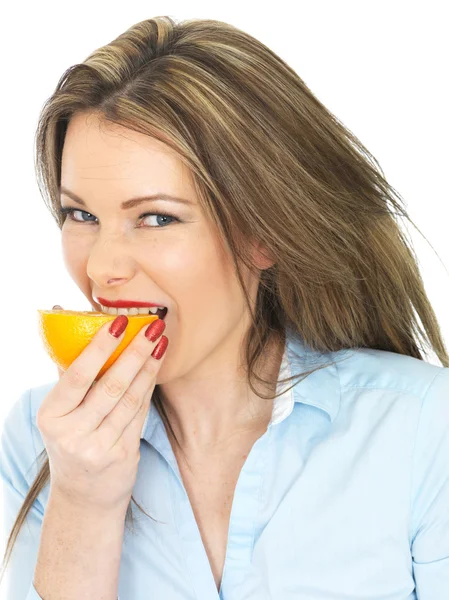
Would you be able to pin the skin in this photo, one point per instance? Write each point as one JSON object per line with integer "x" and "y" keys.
{"x": 114, "y": 253}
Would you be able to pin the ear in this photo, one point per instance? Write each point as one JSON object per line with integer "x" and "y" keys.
{"x": 261, "y": 257}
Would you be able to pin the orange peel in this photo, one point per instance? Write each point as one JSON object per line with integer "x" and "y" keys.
{"x": 66, "y": 333}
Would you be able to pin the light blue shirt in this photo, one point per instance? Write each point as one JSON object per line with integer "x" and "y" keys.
{"x": 344, "y": 497}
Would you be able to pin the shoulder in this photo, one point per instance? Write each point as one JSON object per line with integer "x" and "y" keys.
{"x": 408, "y": 396}
{"x": 413, "y": 395}
{"x": 356, "y": 381}
{"x": 381, "y": 370}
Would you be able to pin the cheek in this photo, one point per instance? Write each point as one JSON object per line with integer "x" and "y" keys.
{"x": 193, "y": 269}
{"x": 201, "y": 284}
{"x": 75, "y": 255}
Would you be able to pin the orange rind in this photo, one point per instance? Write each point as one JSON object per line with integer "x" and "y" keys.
{"x": 66, "y": 333}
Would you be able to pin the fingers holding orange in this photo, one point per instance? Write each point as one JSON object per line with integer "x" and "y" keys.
{"x": 65, "y": 334}
{"x": 92, "y": 433}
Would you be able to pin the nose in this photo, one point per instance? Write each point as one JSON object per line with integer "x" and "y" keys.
{"x": 109, "y": 262}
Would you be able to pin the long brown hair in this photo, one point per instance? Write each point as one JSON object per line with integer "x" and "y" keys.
{"x": 269, "y": 163}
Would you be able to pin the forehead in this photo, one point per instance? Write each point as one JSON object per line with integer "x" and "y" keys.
{"x": 97, "y": 152}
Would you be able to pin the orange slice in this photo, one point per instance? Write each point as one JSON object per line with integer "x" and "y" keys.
{"x": 65, "y": 334}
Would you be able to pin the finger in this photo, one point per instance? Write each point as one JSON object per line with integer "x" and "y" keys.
{"x": 113, "y": 387}
{"x": 76, "y": 381}
{"x": 132, "y": 433}
{"x": 122, "y": 427}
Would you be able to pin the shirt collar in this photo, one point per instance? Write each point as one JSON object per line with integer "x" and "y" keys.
{"x": 320, "y": 389}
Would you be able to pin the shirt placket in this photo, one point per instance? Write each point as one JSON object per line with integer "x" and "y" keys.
{"x": 242, "y": 523}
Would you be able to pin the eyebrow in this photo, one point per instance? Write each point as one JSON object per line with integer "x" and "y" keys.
{"x": 127, "y": 204}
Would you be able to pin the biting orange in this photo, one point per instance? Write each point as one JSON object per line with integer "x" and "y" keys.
{"x": 65, "y": 334}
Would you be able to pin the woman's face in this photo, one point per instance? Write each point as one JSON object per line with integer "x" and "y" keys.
{"x": 174, "y": 260}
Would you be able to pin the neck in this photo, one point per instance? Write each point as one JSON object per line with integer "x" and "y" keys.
{"x": 208, "y": 412}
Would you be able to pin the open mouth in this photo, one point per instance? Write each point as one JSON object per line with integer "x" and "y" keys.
{"x": 161, "y": 312}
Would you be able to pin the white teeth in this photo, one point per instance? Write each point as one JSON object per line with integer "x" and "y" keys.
{"x": 130, "y": 311}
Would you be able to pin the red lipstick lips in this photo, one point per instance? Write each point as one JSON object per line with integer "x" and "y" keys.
{"x": 126, "y": 303}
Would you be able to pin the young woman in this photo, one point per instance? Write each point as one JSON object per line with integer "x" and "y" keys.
{"x": 292, "y": 442}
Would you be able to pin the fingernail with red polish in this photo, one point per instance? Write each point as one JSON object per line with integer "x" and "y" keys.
{"x": 118, "y": 325}
{"x": 155, "y": 330}
{"x": 160, "y": 349}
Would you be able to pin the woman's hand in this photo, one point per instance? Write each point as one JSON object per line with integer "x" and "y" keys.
{"x": 92, "y": 433}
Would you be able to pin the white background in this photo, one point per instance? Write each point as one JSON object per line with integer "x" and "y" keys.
{"x": 379, "y": 66}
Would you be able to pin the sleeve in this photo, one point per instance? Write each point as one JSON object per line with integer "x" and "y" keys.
{"x": 17, "y": 455}
{"x": 430, "y": 494}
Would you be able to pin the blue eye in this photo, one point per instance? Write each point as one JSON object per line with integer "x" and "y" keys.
{"x": 68, "y": 211}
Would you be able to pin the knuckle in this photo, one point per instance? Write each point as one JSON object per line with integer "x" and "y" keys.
{"x": 76, "y": 379}
{"x": 69, "y": 446}
{"x": 148, "y": 367}
{"x": 130, "y": 400}
{"x": 140, "y": 351}
{"x": 121, "y": 454}
{"x": 103, "y": 346}
{"x": 94, "y": 456}
{"x": 113, "y": 387}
